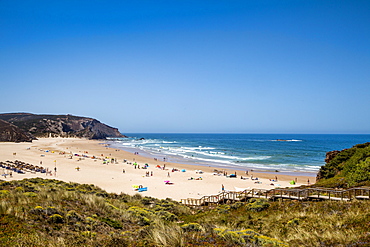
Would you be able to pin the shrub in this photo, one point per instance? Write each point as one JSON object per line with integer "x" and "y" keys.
{"x": 142, "y": 214}
{"x": 30, "y": 194}
{"x": 73, "y": 216}
{"x": 237, "y": 205}
{"x": 165, "y": 215}
{"x": 257, "y": 205}
{"x": 191, "y": 227}
{"x": 4, "y": 193}
{"x": 5, "y": 183}
{"x": 147, "y": 201}
{"x": 112, "y": 223}
{"x": 19, "y": 189}
{"x": 247, "y": 236}
{"x": 223, "y": 208}
{"x": 56, "y": 218}
{"x": 51, "y": 210}
{"x": 37, "y": 210}
{"x": 137, "y": 196}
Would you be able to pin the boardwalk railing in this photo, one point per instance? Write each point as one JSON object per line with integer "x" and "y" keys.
{"x": 361, "y": 193}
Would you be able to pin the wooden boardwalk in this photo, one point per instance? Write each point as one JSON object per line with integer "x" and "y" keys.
{"x": 360, "y": 193}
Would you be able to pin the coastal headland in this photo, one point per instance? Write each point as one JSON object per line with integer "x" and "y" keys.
{"x": 116, "y": 171}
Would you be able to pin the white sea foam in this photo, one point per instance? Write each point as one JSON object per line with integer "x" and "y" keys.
{"x": 234, "y": 157}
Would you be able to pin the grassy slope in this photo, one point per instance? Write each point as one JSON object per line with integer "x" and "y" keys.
{"x": 38, "y": 212}
{"x": 349, "y": 168}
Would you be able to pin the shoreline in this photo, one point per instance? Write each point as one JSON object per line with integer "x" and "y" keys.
{"x": 82, "y": 168}
{"x": 182, "y": 161}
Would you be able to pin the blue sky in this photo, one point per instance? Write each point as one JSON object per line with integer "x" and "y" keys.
{"x": 190, "y": 66}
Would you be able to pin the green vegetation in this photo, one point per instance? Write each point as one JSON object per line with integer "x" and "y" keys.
{"x": 41, "y": 212}
{"x": 349, "y": 168}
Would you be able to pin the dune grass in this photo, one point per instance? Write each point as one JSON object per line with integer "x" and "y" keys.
{"x": 38, "y": 212}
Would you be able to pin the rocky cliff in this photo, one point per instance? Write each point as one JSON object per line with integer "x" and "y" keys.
{"x": 11, "y": 133}
{"x": 60, "y": 125}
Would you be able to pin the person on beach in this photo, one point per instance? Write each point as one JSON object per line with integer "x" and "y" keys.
{"x": 222, "y": 187}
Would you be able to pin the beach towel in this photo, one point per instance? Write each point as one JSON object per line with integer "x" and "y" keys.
{"x": 142, "y": 189}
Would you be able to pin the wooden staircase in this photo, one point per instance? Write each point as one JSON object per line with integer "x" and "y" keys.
{"x": 360, "y": 193}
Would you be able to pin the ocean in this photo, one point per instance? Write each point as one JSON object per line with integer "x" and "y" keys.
{"x": 300, "y": 154}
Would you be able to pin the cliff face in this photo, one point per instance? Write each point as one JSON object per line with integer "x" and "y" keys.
{"x": 11, "y": 133}
{"x": 60, "y": 125}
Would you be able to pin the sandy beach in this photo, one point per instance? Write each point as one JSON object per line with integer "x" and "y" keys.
{"x": 93, "y": 162}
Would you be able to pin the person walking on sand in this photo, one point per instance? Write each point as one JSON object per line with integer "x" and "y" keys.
{"x": 222, "y": 188}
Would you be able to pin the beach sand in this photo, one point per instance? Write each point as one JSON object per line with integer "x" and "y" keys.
{"x": 56, "y": 152}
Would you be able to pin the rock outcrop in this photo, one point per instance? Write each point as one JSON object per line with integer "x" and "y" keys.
{"x": 331, "y": 155}
{"x": 11, "y": 133}
{"x": 60, "y": 125}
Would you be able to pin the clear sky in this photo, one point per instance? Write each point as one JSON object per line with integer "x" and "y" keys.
{"x": 190, "y": 66}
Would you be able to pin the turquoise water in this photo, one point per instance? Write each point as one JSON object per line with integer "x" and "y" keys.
{"x": 262, "y": 152}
